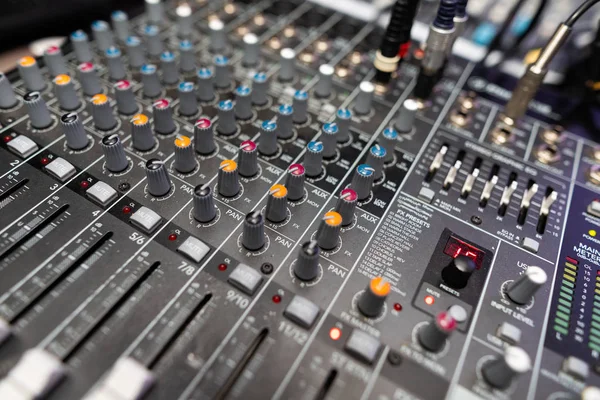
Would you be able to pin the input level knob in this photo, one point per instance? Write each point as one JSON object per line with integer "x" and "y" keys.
{"x": 135, "y": 52}
{"x": 39, "y": 116}
{"x": 313, "y": 159}
{"x": 222, "y": 72}
{"x": 228, "y": 179}
{"x": 325, "y": 82}
{"x": 115, "y": 159}
{"x": 54, "y": 60}
{"x": 66, "y": 93}
{"x": 287, "y": 65}
{"x": 328, "y": 233}
{"x": 103, "y": 35}
{"x": 227, "y": 125}
{"x": 81, "y": 46}
{"x": 364, "y": 99}
{"x": 300, "y": 104}
{"x": 457, "y": 273}
{"x": 267, "y": 141}
{"x": 154, "y": 44}
{"x": 72, "y": 126}
{"x": 185, "y": 160}
{"x": 114, "y": 62}
{"x": 151, "y": 86}
{"x": 168, "y": 66}
{"x": 88, "y": 78}
{"x": 159, "y": 182}
{"x": 126, "y": 103}
{"x": 306, "y": 267}
{"x": 205, "y": 81}
{"x": 142, "y": 137}
{"x": 294, "y": 182}
{"x": 372, "y": 300}
{"x": 522, "y": 290}
{"x": 248, "y": 159}
{"x": 253, "y": 235}
{"x": 31, "y": 74}
{"x": 343, "y": 117}
{"x": 120, "y": 23}
{"x": 188, "y": 103}
{"x": 243, "y": 103}
{"x": 406, "y": 116}
{"x": 187, "y": 62}
{"x": 433, "y": 336}
{"x": 362, "y": 181}
{"x": 329, "y": 133}
{"x": 285, "y": 123}
{"x": 376, "y": 158}
{"x": 501, "y": 371}
{"x": 7, "y": 96}
{"x": 204, "y": 138}
{"x": 102, "y": 113}
{"x": 204, "y": 204}
{"x": 346, "y": 205}
{"x": 388, "y": 139}
{"x": 251, "y": 50}
{"x": 260, "y": 84}
{"x": 163, "y": 117}
{"x": 276, "y": 210}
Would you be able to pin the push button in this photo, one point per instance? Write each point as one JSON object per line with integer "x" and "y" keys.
{"x": 22, "y": 146}
{"x": 302, "y": 311}
{"x": 102, "y": 193}
{"x": 194, "y": 248}
{"x": 146, "y": 219}
{"x": 362, "y": 346}
{"x": 246, "y": 279}
{"x": 61, "y": 169}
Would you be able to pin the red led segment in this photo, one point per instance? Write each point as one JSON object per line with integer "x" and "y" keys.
{"x": 572, "y": 260}
{"x": 455, "y": 248}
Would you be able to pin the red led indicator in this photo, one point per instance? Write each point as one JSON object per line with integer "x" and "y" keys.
{"x": 45, "y": 161}
{"x": 455, "y": 248}
{"x": 572, "y": 260}
{"x": 126, "y": 210}
{"x": 7, "y": 139}
{"x": 335, "y": 333}
{"x": 397, "y": 306}
{"x": 276, "y": 299}
{"x": 429, "y": 300}
{"x": 84, "y": 184}
{"x": 172, "y": 237}
{"x": 222, "y": 267}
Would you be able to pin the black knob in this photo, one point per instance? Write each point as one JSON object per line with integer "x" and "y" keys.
{"x": 458, "y": 272}
{"x": 204, "y": 203}
{"x": 306, "y": 267}
{"x": 433, "y": 335}
{"x": 253, "y": 235}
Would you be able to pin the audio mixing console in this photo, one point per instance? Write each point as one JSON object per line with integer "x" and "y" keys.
{"x": 219, "y": 200}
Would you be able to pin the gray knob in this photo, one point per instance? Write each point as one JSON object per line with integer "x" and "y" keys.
{"x": 313, "y": 159}
{"x": 267, "y": 141}
{"x": 204, "y": 140}
{"x": 287, "y": 65}
{"x": 501, "y": 371}
{"x": 251, "y": 50}
{"x": 243, "y": 103}
{"x": 457, "y": 273}
{"x": 222, "y": 72}
{"x": 102, "y": 34}
{"x": 81, "y": 46}
{"x": 276, "y": 210}
{"x": 154, "y": 11}
{"x": 135, "y": 51}
{"x": 53, "y": 58}
{"x": 31, "y": 75}
{"x": 39, "y": 116}
{"x": 170, "y": 72}
{"x": 72, "y": 126}
{"x": 205, "y": 83}
{"x": 376, "y": 158}
{"x": 325, "y": 82}
{"x": 141, "y": 133}
{"x": 328, "y": 234}
{"x": 126, "y": 102}
{"x": 66, "y": 93}
{"x": 204, "y": 203}
{"x": 162, "y": 114}
{"x": 188, "y": 102}
{"x": 294, "y": 182}
{"x": 364, "y": 100}
{"x": 248, "y": 159}
{"x": 306, "y": 267}
{"x": 159, "y": 182}
{"x": 521, "y": 291}
{"x": 406, "y": 116}
{"x": 120, "y": 23}
{"x": 184, "y": 20}
{"x": 7, "y": 96}
{"x": 253, "y": 235}
{"x": 187, "y": 62}
{"x": 88, "y": 78}
{"x": 590, "y": 393}
{"x": 343, "y": 117}
{"x": 260, "y": 84}
{"x": 388, "y": 139}
{"x": 227, "y": 125}
{"x": 300, "y": 104}
{"x": 329, "y": 133}
{"x": 185, "y": 159}
{"x": 346, "y": 205}
{"x": 433, "y": 336}
{"x": 372, "y": 299}
{"x": 114, "y": 61}
{"x": 362, "y": 181}
{"x": 218, "y": 36}
{"x": 228, "y": 179}
{"x": 102, "y": 113}
{"x": 285, "y": 123}
{"x": 154, "y": 43}
{"x": 114, "y": 154}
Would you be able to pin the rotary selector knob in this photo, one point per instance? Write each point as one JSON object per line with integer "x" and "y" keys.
{"x": 328, "y": 234}
{"x": 114, "y": 154}
{"x": 154, "y": 44}
{"x": 102, "y": 34}
{"x": 88, "y": 78}
{"x": 187, "y": 62}
{"x": 294, "y": 182}
{"x": 267, "y": 141}
{"x": 151, "y": 86}
{"x": 66, "y": 93}
{"x": 204, "y": 138}
{"x": 39, "y": 116}
{"x": 120, "y": 23}
{"x": 300, "y": 104}
{"x": 364, "y": 99}
{"x": 126, "y": 103}
{"x": 114, "y": 62}
{"x": 141, "y": 133}
{"x": 248, "y": 159}
{"x": 387, "y": 140}
{"x": 522, "y": 290}
{"x": 159, "y": 182}
{"x": 362, "y": 181}
{"x": 228, "y": 179}
{"x": 346, "y": 205}
{"x": 184, "y": 20}
{"x": 54, "y": 60}
{"x": 135, "y": 52}
{"x": 188, "y": 103}
{"x": 222, "y": 72}
{"x": 287, "y": 65}
{"x": 81, "y": 46}
{"x": 329, "y": 133}
{"x": 457, "y": 273}
{"x": 102, "y": 112}
{"x": 313, "y": 159}
{"x": 306, "y": 267}
{"x": 406, "y": 116}
{"x": 276, "y": 210}
{"x": 204, "y": 203}
{"x": 260, "y": 84}
{"x": 325, "y": 82}
{"x": 253, "y": 235}
{"x": 376, "y": 159}
{"x": 7, "y": 96}
{"x": 285, "y": 123}
{"x": 343, "y": 117}
{"x": 227, "y": 124}
{"x": 185, "y": 160}
{"x": 372, "y": 300}
{"x": 251, "y": 50}
{"x": 163, "y": 117}
{"x": 218, "y": 36}
{"x": 243, "y": 103}
{"x": 433, "y": 336}
{"x": 31, "y": 74}
{"x": 501, "y": 371}
{"x": 154, "y": 11}
{"x": 72, "y": 126}
{"x": 205, "y": 81}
